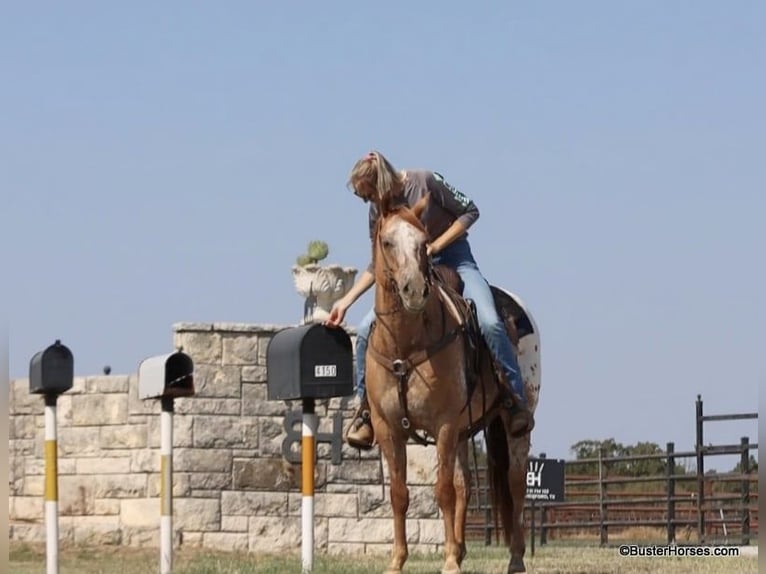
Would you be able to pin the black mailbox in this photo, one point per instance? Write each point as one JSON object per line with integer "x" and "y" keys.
{"x": 310, "y": 361}
{"x": 169, "y": 376}
{"x": 51, "y": 372}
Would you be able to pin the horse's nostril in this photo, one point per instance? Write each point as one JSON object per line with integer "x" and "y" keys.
{"x": 406, "y": 289}
{"x": 425, "y": 291}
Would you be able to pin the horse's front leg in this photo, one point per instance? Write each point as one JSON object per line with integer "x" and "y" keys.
{"x": 462, "y": 497}
{"x": 446, "y": 447}
{"x": 394, "y": 450}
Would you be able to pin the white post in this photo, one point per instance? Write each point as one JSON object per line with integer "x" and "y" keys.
{"x": 308, "y": 449}
{"x": 51, "y": 487}
{"x": 166, "y": 486}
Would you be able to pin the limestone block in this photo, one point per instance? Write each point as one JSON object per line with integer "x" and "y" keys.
{"x": 254, "y": 374}
{"x": 271, "y": 433}
{"x": 256, "y": 403}
{"x": 369, "y": 530}
{"x": 88, "y": 410}
{"x": 431, "y": 531}
{"x": 33, "y": 486}
{"x": 217, "y": 381}
{"x": 240, "y": 349}
{"x": 358, "y": 472}
{"x": 77, "y": 494}
{"x": 263, "y": 474}
{"x": 24, "y": 426}
{"x": 26, "y": 508}
{"x": 25, "y": 403}
{"x": 197, "y": 514}
{"x": 123, "y": 436}
{"x": 218, "y": 431}
{"x": 226, "y": 541}
{"x": 275, "y": 534}
{"x": 234, "y": 523}
{"x": 327, "y": 504}
{"x": 209, "y": 481}
{"x": 107, "y": 384}
{"x": 182, "y": 431}
{"x": 141, "y": 537}
{"x": 201, "y": 460}
{"x": 345, "y": 548}
{"x": 235, "y": 503}
{"x": 78, "y": 441}
{"x": 97, "y": 530}
{"x": 103, "y": 465}
{"x": 421, "y": 464}
{"x": 106, "y": 506}
{"x": 140, "y": 512}
{"x": 195, "y": 405}
{"x": 191, "y": 539}
{"x": 205, "y": 348}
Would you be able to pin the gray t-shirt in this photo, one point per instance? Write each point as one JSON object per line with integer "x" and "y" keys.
{"x": 445, "y": 206}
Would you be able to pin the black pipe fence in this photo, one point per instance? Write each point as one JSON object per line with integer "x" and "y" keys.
{"x": 721, "y": 507}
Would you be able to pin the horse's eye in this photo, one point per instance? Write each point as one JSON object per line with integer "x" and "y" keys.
{"x": 387, "y": 244}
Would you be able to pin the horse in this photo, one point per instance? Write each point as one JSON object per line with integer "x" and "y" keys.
{"x": 422, "y": 376}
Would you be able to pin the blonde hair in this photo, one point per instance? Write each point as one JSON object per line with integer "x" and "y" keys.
{"x": 378, "y": 173}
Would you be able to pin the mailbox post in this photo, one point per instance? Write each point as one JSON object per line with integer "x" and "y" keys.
{"x": 166, "y": 377}
{"x": 309, "y": 362}
{"x": 51, "y": 373}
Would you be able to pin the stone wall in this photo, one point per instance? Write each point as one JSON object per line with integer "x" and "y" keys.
{"x": 236, "y": 471}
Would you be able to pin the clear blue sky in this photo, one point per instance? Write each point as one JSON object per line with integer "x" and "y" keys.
{"x": 166, "y": 162}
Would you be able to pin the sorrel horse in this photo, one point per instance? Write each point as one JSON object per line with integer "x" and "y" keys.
{"x": 417, "y": 381}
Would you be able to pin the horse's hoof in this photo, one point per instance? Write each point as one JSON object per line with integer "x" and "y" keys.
{"x": 451, "y": 567}
{"x": 516, "y": 565}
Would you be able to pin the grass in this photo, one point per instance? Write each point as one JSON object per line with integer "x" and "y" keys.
{"x": 30, "y": 558}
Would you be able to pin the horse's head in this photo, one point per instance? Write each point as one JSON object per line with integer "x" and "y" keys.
{"x": 401, "y": 261}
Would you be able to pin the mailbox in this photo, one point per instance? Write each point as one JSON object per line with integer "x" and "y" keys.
{"x": 310, "y": 361}
{"x": 51, "y": 372}
{"x": 168, "y": 376}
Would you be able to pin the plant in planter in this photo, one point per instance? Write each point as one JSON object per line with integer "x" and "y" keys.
{"x": 320, "y": 285}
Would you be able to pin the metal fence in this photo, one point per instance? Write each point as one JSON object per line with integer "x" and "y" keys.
{"x": 719, "y": 508}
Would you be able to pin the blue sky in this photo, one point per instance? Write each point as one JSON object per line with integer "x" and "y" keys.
{"x": 166, "y": 162}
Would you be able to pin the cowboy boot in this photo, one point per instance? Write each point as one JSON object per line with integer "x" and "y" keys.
{"x": 360, "y": 433}
{"x": 522, "y": 419}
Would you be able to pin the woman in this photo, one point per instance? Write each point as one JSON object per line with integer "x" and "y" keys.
{"x": 447, "y": 219}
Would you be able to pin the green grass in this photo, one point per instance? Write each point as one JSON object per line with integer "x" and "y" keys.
{"x": 28, "y": 559}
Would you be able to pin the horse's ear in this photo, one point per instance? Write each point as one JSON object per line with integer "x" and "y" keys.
{"x": 418, "y": 208}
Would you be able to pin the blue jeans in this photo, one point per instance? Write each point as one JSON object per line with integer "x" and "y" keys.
{"x": 458, "y": 256}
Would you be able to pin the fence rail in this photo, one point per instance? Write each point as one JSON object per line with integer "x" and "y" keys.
{"x": 602, "y": 504}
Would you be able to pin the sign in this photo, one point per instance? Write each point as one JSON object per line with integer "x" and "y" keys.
{"x": 325, "y": 371}
{"x": 545, "y": 480}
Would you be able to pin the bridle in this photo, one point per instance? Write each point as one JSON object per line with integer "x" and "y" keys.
{"x": 399, "y": 366}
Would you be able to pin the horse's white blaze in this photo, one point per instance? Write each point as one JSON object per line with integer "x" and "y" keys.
{"x": 407, "y": 240}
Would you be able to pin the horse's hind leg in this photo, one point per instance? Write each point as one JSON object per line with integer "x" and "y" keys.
{"x": 462, "y": 497}
{"x": 446, "y": 447}
{"x": 395, "y": 452}
{"x": 517, "y": 480}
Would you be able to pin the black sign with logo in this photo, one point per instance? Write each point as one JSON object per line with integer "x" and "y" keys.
{"x": 545, "y": 480}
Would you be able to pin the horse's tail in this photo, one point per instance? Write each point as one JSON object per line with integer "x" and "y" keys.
{"x": 498, "y": 466}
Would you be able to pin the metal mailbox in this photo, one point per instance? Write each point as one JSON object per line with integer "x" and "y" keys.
{"x": 51, "y": 371}
{"x": 309, "y": 361}
{"x": 166, "y": 376}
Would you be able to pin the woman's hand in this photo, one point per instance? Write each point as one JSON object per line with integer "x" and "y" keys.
{"x": 337, "y": 313}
